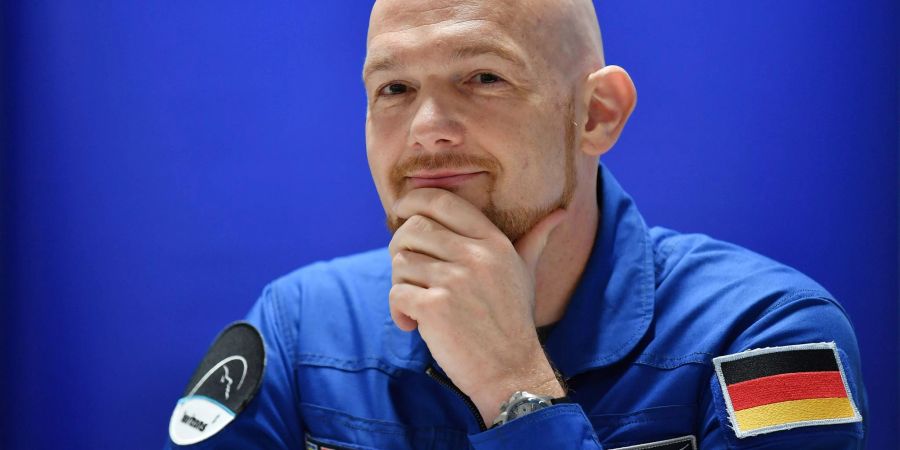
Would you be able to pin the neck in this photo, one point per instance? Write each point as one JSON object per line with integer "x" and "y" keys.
{"x": 567, "y": 252}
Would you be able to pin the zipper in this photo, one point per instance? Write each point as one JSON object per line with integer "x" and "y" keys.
{"x": 443, "y": 380}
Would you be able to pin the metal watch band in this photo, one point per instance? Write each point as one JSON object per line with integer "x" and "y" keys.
{"x": 522, "y": 403}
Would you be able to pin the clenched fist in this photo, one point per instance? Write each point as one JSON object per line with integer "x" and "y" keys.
{"x": 471, "y": 294}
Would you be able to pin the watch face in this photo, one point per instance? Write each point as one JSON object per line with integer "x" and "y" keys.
{"x": 526, "y": 406}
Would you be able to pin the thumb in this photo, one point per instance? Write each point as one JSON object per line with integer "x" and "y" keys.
{"x": 531, "y": 245}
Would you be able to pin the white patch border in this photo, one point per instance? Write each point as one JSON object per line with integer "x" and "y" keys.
{"x": 690, "y": 438}
{"x": 717, "y": 362}
{"x": 187, "y": 436}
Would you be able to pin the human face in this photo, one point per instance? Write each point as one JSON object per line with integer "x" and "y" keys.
{"x": 461, "y": 98}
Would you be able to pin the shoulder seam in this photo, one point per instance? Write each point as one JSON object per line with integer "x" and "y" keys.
{"x": 805, "y": 294}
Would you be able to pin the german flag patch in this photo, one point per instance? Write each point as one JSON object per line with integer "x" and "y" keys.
{"x": 779, "y": 388}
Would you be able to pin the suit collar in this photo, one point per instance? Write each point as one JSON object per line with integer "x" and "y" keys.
{"x": 612, "y": 306}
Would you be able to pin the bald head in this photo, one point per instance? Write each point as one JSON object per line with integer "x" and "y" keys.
{"x": 513, "y": 94}
{"x": 561, "y": 35}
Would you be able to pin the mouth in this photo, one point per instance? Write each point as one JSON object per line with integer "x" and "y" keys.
{"x": 442, "y": 179}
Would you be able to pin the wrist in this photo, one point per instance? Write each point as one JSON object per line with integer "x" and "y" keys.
{"x": 551, "y": 388}
{"x": 542, "y": 382}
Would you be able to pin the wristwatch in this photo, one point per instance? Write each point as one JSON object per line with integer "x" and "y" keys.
{"x": 523, "y": 403}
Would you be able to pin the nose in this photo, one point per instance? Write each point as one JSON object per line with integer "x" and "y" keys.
{"x": 434, "y": 126}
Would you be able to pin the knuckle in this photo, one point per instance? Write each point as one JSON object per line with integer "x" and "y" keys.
{"x": 439, "y": 303}
{"x": 476, "y": 254}
{"x": 418, "y": 223}
{"x": 444, "y": 201}
{"x": 396, "y": 277}
{"x": 439, "y": 297}
{"x": 400, "y": 258}
{"x": 396, "y": 294}
{"x": 394, "y": 245}
{"x": 456, "y": 274}
{"x": 447, "y": 276}
{"x": 401, "y": 299}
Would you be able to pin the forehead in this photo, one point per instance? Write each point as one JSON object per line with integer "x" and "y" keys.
{"x": 397, "y": 26}
{"x": 396, "y": 15}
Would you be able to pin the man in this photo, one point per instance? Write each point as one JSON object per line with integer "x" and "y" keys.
{"x": 522, "y": 301}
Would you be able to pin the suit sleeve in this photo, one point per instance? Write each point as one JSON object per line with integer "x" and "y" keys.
{"x": 271, "y": 420}
{"x": 559, "y": 426}
{"x": 793, "y": 321}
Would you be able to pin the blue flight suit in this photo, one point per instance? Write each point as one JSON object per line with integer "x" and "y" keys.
{"x": 652, "y": 310}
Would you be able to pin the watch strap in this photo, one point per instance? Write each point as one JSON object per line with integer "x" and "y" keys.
{"x": 502, "y": 418}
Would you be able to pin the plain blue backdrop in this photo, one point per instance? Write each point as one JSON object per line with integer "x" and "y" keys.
{"x": 164, "y": 160}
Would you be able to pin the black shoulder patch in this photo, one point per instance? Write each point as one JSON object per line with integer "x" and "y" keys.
{"x": 228, "y": 378}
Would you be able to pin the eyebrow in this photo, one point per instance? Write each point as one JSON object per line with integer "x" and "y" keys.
{"x": 386, "y": 62}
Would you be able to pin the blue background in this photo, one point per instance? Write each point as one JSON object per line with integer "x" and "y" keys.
{"x": 163, "y": 160}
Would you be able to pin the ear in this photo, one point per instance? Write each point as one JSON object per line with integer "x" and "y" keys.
{"x": 610, "y": 100}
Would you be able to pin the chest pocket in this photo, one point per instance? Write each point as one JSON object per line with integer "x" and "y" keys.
{"x": 329, "y": 428}
{"x": 647, "y": 425}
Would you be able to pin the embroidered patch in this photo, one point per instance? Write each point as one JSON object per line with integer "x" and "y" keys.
{"x": 681, "y": 443}
{"x": 315, "y": 444}
{"x": 223, "y": 385}
{"x": 779, "y": 388}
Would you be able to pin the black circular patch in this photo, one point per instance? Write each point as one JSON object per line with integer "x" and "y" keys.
{"x": 232, "y": 370}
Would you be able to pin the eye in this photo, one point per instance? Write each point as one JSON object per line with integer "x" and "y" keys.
{"x": 394, "y": 89}
{"x": 488, "y": 78}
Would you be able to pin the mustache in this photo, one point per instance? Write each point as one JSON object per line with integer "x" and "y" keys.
{"x": 434, "y": 161}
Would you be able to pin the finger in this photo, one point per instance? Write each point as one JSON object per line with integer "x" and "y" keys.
{"x": 421, "y": 234}
{"x": 531, "y": 245}
{"x": 414, "y": 268}
{"x": 402, "y": 298}
{"x": 448, "y": 209}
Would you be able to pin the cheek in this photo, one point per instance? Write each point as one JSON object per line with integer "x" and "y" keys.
{"x": 383, "y": 149}
{"x": 534, "y": 160}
